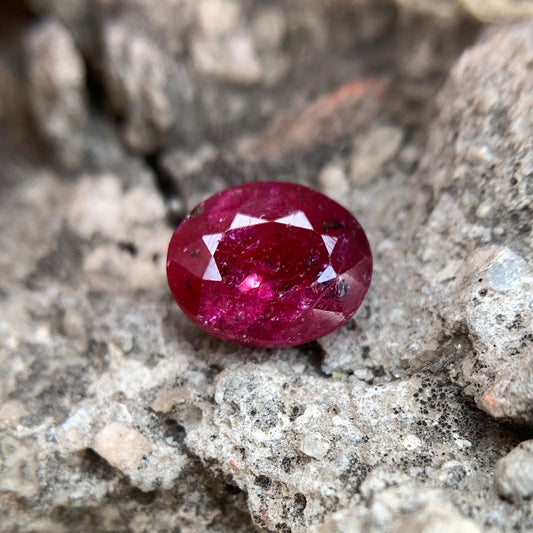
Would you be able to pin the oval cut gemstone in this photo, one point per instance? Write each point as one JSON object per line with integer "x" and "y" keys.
{"x": 269, "y": 264}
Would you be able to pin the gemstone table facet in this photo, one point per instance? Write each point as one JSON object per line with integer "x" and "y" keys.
{"x": 269, "y": 264}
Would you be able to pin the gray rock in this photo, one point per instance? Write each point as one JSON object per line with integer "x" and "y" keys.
{"x": 446, "y": 10}
{"x": 497, "y": 10}
{"x": 56, "y": 86}
{"x": 484, "y": 10}
{"x": 315, "y": 445}
{"x": 480, "y": 148}
{"x": 497, "y": 299}
{"x": 513, "y": 475}
{"x": 147, "y": 81}
{"x": 218, "y": 17}
{"x": 402, "y": 509}
{"x": 269, "y": 28}
{"x": 232, "y": 59}
{"x": 147, "y": 86}
{"x": 126, "y": 230}
{"x": 225, "y": 50}
{"x": 266, "y": 415}
{"x": 437, "y": 518}
{"x": 19, "y": 467}
{"x": 79, "y": 16}
{"x": 167, "y": 26}
{"x": 334, "y": 181}
{"x": 372, "y": 151}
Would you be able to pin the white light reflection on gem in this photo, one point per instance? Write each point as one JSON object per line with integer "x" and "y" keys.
{"x": 330, "y": 243}
{"x": 297, "y": 219}
{"x": 327, "y": 275}
{"x": 211, "y": 241}
{"x": 211, "y": 272}
{"x": 242, "y": 221}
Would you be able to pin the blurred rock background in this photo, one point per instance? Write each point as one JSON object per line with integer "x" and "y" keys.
{"x": 116, "y": 117}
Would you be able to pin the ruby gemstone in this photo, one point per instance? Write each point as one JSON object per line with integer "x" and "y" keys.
{"x": 269, "y": 264}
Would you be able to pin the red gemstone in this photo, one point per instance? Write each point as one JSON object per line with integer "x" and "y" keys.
{"x": 269, "y": 264}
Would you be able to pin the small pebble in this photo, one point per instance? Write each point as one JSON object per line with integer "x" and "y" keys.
{"x": 513, "y": 474}
{"x": 315, "y": 445}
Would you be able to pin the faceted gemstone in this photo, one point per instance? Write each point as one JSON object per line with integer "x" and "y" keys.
{"x": 269, "y": 264}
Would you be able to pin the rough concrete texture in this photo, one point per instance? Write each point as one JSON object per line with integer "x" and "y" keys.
{"x": 478, "y": 239}
{"x": 117, "y": 414}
